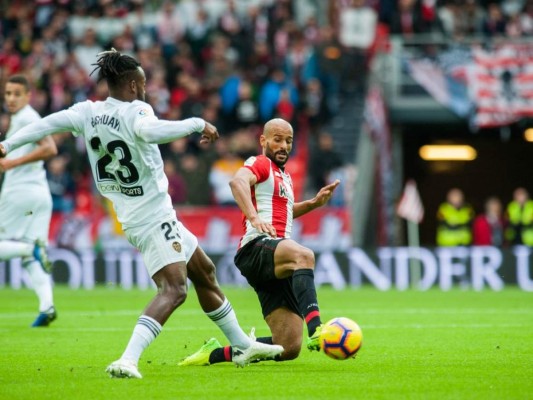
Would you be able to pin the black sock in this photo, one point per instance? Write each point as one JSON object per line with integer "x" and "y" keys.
{"x": 303, "y": 286}
{"x": 265, "y": 339}
{"x": 222, "y": 354}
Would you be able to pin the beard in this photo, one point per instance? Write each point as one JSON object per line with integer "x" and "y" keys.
{"x": 279, "y": 157}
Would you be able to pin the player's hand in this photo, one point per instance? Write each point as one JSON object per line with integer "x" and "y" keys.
{"x": 3, "y": 152}
{"x": 324, "y": 194}
{"x": 209, "y": 134}
{"x": 263, "y": 227}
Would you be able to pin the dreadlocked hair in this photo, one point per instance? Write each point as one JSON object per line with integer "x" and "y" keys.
{"x": 115, "y": 68}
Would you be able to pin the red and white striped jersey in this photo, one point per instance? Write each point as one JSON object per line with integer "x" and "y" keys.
{"x": 272, "y": 197}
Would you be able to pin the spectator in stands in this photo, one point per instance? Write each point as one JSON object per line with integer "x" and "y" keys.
{"x": 357, "y": 26}
{"x": 494, "y": 22}
{"x": 324, "y": 159}
{"x": 85, "y": 51}
{"x": 176, "y": 184}
{"x": 520, "y": 218}
{"x": 526, "y": 18}
{"x": 488, "y": 228}
{"x": 246, "y": 109}
{"x": 195, "y": 171}
{"x": 170, "y": 28}
{"x": 329, "y": 61}
{"x": 62, "y": 185}
{"x": 193, "y": 105}
{"x": 271, "y": 95}
{"x": 300, "y": 62}
{"x": 222, "y": 172}
{"x": 471, "y": 17}
{"x": 315, "y": 105}
{"x": 198, "y": 33}
{"x": 406, "y": 21}
{"x": 454, "y": 220}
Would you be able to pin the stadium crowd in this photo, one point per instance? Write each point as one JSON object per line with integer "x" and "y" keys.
{"x": 234, "y": 63}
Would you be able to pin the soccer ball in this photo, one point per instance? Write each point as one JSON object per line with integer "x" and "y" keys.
{"x": 341, "y": 338}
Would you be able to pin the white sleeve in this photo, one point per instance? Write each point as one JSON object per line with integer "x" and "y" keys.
{"x": 154, "y": 130}
{"x": 61, "y": 121}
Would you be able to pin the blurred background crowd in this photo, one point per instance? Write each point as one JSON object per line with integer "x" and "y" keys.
{"x": 234, "y": 63}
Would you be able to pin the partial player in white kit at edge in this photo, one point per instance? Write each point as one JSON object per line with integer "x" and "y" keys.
{"x": 25, "y": 199}
{"x": 121, "y": 135}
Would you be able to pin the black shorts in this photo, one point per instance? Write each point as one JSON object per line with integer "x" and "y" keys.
{"x": 255, "y": 260}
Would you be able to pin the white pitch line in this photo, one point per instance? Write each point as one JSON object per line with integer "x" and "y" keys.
{"x": 329, "y": 311}
{"x": 363, "y": 327}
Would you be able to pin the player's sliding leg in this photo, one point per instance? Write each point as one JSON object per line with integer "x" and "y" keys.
{"x": 286, "y": 328}
{"x": 291, "y": 258}
{"x": 171, "y": 283}
{"x": 42, "y": 285}
{"x": 201, "y": 271}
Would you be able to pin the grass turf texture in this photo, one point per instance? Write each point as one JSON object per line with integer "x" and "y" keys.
{"x": 430, "y": 345}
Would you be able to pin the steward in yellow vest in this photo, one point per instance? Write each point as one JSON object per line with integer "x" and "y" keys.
{"x": 520, "y": 217}
{"x": 454, "y": 221}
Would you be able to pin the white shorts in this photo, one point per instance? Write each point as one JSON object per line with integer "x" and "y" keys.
{"x": 25, "y": 213}
{"x": 166, "y": 243}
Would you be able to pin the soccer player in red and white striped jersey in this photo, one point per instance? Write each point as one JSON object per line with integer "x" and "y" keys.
{"x": 279, "y": 269}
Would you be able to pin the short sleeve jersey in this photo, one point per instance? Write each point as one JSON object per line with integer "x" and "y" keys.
{"x": 126, "y": 169}
{"x": 28, "y": 174}
{"x": 272, "y": 197}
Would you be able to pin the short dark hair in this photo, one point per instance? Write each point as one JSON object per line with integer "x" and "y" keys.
{"x": 21, "y": 80}
{"x": 115, "y": 68}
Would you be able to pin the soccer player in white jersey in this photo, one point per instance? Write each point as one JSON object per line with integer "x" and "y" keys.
{"x": 277, "y": 267}
{"x": 121, "y": 134}
{"x": 25, "y": 200}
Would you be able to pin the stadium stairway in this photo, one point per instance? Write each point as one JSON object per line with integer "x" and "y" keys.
{"x": 346, "y": 125}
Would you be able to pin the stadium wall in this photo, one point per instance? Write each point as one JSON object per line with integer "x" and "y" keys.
{"x": 385, "y": 268}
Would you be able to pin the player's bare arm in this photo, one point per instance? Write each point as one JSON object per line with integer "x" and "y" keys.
{"x": 240, "y": 185}
{"x": 3, "y": 151}
{"x": 321, "y": 198}
{"x": 46, "y": 149}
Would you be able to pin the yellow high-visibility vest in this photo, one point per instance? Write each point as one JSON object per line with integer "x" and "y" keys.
{"x": 520, "y": 223}
{"x": 454, "y": 225}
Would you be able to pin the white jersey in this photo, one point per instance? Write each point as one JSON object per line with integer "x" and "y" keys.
{"x": 27, "y": 174}
{"x": 121, "y": 139}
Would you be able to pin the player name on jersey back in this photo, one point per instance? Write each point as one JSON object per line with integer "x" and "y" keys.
{"x": 112, "y": 122}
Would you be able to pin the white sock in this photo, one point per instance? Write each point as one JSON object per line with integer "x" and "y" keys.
{"x": 143, "y": 334}
{"x": 42, "y": 284}
{"x": 11, "y": 248}
{"x": 226, "y": 320}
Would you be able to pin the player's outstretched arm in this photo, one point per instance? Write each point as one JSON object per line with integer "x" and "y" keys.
{"x": 321, "y": 198}
{"x": 240, "y": 187}
{"x": 61, "y": 121}
{"x": 154, "y": 130}
{"x": 46, "y": 149}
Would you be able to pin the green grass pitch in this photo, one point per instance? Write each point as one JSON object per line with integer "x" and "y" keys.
{"x": 417, "y": 345}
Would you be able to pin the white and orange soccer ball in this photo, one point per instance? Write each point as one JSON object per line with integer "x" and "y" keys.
{"x": 341, "y": 338}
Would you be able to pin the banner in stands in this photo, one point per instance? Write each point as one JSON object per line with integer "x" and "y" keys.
{"x": 400, "y": 268}
{"x": 491, "y": 87}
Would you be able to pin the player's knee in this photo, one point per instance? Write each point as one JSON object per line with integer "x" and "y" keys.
{"x": 305, "y": 258}
{"x": 209, "y": 272}
{"x": 290, "y": 352}
{"x": 176, "y": 295}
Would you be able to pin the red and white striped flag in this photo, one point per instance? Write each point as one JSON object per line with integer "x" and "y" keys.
{"x": 410, "y": 206}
